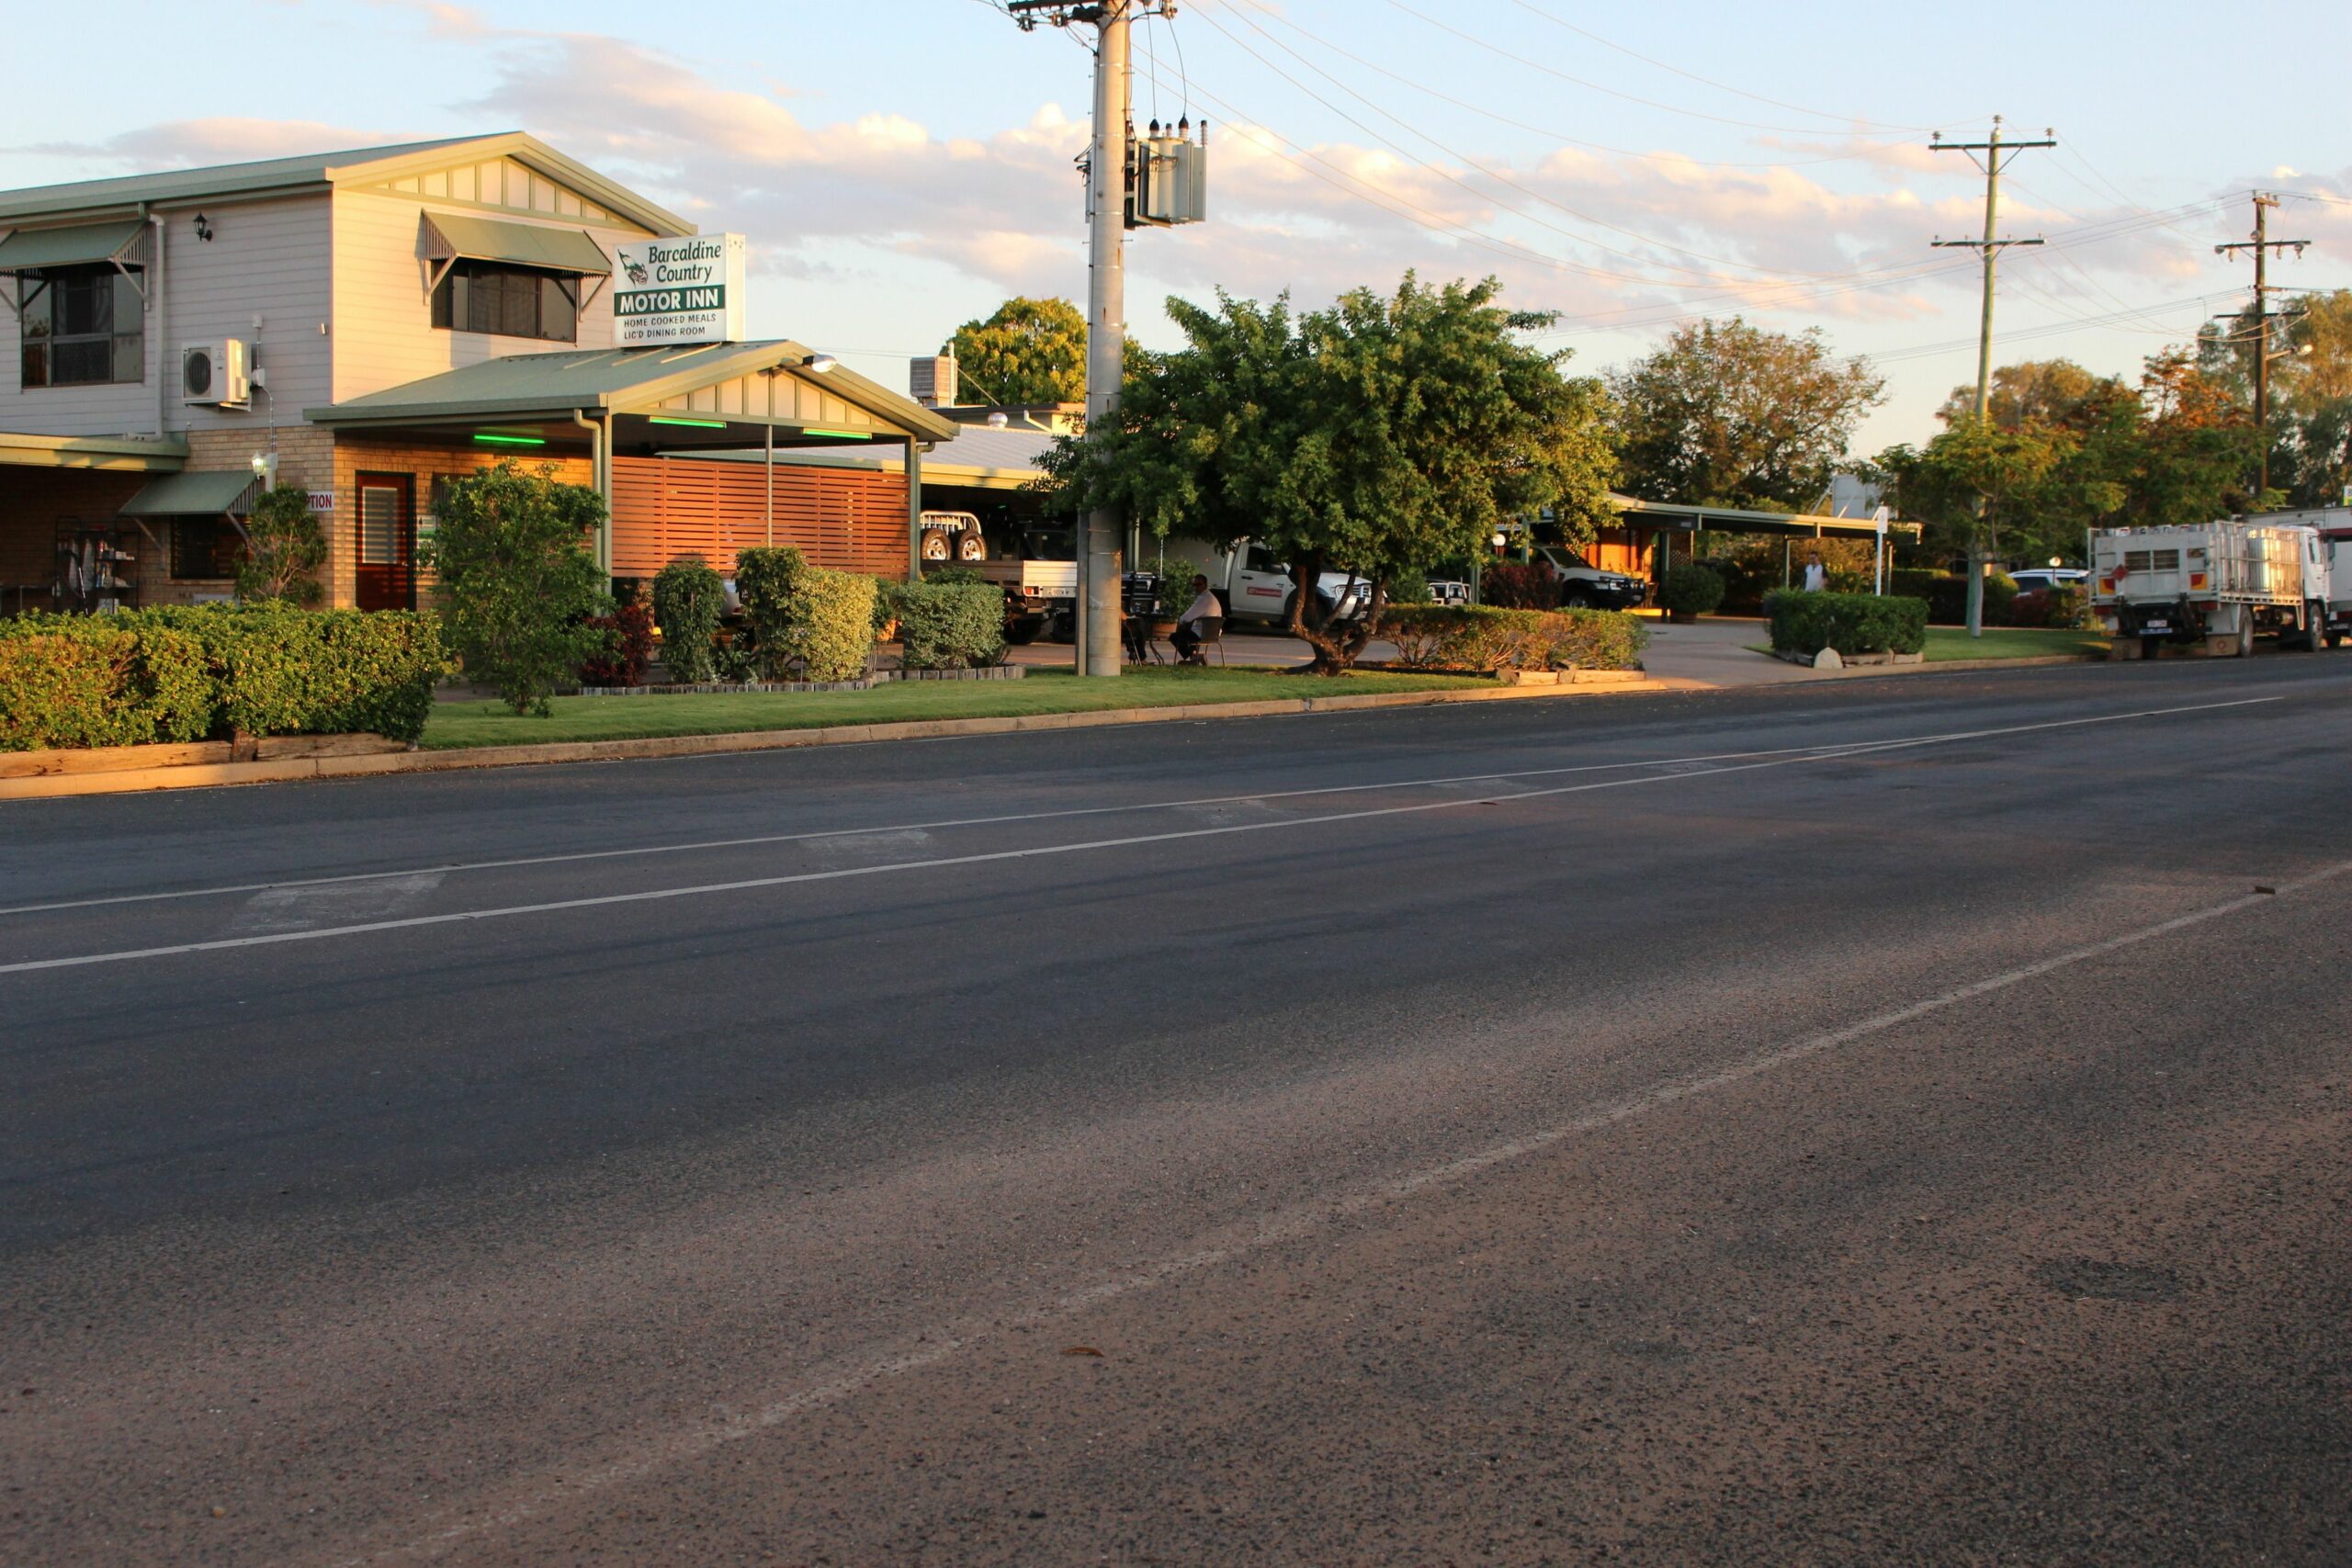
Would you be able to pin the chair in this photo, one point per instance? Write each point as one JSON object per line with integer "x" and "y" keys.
{"x": 1208, "y": 633}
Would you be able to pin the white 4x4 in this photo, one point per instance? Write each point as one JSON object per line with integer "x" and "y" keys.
{"x": 1584, "y": 586}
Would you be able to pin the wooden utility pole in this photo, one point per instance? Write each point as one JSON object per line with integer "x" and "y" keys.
{"x": 1098, "y": 553}
{"x": 1993, "y": 162}
{"x": 2261, "y": 245}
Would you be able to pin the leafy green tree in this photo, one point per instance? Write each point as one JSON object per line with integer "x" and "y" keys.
{"x": 512, "y": 550}
{"x": 1374, "y": 437}
{"x": 1728, "y": 415}
{"x": 2196, "y": 447}
{"x": 1964, "y": 485}
{"x": 1030, "y": 351}
{"x": 285, "y": 547}
{"x": 2311, "y": 389}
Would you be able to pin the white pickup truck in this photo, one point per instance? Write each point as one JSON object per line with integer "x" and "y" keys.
{"x": 1253, "y": 585}
{"x": 1035, "y": 564}
{"x": 2220, "y": 584}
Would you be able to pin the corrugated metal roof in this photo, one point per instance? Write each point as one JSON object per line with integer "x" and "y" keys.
{"x": 29, "y": 248}
{"x": 524, "y": 244}
{"x": 173, "y": 185}
{"x": 218, "y": 179}
{"x": 520, "y": 384}
{"x": 1006, "y": 457}
{"x": 194, "y": 495}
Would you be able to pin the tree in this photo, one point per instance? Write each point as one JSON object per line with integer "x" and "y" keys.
{"x": 1965, "y": 485}
{"x": 511, "y": 552}
{"x": 1727, "y": 414}
{"x": 2311, "y": 389}
{"x": 1030, "y": 351}
{"x": 1375, "y": 437}
{"x": 2196, "y": 447}
{"x": 285, "y": 547}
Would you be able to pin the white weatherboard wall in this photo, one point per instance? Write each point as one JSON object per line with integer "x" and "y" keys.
{"x": 266, "y": 259}
{"x": 384, "y": 332}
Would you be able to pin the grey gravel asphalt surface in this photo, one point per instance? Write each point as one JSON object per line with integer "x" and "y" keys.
{"x": 1900, "y": 1121}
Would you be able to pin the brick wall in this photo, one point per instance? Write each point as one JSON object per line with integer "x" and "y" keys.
{"x": 420, "y": 460}
{"x": 33, "y": 502}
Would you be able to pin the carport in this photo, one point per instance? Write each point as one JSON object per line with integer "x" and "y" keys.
{"x": 1664, "y": 519}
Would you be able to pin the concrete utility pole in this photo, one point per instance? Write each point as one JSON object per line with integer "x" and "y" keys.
{"x": 2262, "y": 246}
{"x": 1099, "y": 558}
{"x": 1992, "y": 162}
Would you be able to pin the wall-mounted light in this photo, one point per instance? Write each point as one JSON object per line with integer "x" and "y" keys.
{"x": 203, "y": 227}
{"x": 820, "y": 363}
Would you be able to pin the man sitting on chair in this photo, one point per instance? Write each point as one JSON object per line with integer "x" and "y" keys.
{"x": 1201, "y": 621}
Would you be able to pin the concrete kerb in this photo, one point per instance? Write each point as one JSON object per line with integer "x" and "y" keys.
{"x": 288, "y": 770}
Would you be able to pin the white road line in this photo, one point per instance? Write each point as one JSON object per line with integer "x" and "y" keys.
{"x": 942, "y": 1342}
{"x": 653, "y": 895}
{"x": 705, "y": 844}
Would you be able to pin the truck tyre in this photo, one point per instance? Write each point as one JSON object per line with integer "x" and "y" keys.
{"x": 1021, "y": 633}
{"x": 1576, "y": 599}
{"x": 2245, "y": 635}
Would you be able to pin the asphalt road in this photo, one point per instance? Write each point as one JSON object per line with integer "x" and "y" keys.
{"x": 1896, "y": 1121}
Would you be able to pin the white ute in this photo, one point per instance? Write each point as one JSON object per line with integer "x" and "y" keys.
{"x": 2215, "y": 585}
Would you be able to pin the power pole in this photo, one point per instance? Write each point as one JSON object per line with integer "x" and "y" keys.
{"x": 2261, "y": 245}
{"x": 1992, "y": 163}
{"x": 1106, "y": 294}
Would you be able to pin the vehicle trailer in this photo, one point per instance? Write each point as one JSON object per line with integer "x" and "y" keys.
{"x": 2216, "y": 586}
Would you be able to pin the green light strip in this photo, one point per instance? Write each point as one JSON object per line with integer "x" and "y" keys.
{"x": 691, "y": 423}
{"x": 510, "y": 440}
{"x": 840, "y": 435}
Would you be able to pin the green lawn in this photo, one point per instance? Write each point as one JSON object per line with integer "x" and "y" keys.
{"x": 2008, "y": 642}
{"x": 1043, "y": 690}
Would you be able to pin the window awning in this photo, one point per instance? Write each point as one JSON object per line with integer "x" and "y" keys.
{"x": 29, "y": 248}
{"x": 451, "y": 236}
{"x": 224, "y": 493}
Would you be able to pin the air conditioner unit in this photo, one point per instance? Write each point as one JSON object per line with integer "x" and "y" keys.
{"x": 216, "y": 374}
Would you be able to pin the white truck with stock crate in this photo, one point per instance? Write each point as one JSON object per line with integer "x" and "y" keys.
{"x": 2211, "y": 585}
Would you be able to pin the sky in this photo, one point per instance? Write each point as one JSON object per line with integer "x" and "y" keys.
{"x": 900, "y": 166}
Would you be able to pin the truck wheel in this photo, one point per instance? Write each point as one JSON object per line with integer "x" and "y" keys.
{"x": 1021, "y": 633}
{"x": 1576, "y": 599}
{"x": 2245, "y": 636}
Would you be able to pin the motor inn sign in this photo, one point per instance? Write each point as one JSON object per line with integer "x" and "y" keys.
{"x": 679, "y": 291}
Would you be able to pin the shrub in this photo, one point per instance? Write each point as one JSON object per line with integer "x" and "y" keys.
{"x": 1176, "y": 591}
{"x": 949, "y": 626}
{"x": 953, "y": 574}
{"x": 688, "y": 599}
{"x": 1408, "y": 585}
{"x": 519, "y": 579}
{"x": 1690, "y": 588}
{"x": 1515, "y": 585}
{"x": 1947, "y": 594}
{"x": 93, "y": 681}
{"x": 1481, "y": 636}
{"x": 285, "y": 549}
{"x": 629, "y": 647}
{"x": 800, "y": 615}
{"x": 1851, "y": 623}
{"x": 177, "y": 674}
{"x": 277, "y": 671}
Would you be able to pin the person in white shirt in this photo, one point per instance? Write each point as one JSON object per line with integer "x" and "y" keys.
{"x": 1817, "y": 576}
{"x": 1189, "y": 631}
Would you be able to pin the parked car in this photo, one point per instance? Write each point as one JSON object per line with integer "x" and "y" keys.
{"x": 1584, "y": 586}
{"x": 1448, "y": 591}
{"x": 2044, "y": 578}
{"x": 1253, "y": 585}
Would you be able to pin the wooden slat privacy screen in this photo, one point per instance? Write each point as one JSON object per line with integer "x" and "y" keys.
{"x": 667, "y": 507}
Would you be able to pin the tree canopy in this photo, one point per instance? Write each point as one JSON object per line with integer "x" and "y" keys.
{"x": 1378, "y": 436}
{"x": 2311, "y": 389}
{"x": 1030, "y": 351}
{"x": 1729, "y": 415}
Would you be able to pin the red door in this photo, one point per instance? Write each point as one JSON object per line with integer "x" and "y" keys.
{"x": 387, "y": 514}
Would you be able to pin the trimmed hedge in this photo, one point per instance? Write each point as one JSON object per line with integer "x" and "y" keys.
{"x": 1851, "y": 623}
{"x": 948, "y": 626}
{"x": 179, "y": 674}
{"x": 74, "y": 681}
{"x": 1483, "y": 636}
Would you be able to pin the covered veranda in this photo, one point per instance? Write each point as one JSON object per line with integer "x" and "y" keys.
{"x": 1645, "y": 531}
{"x": 623, "y": 420}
